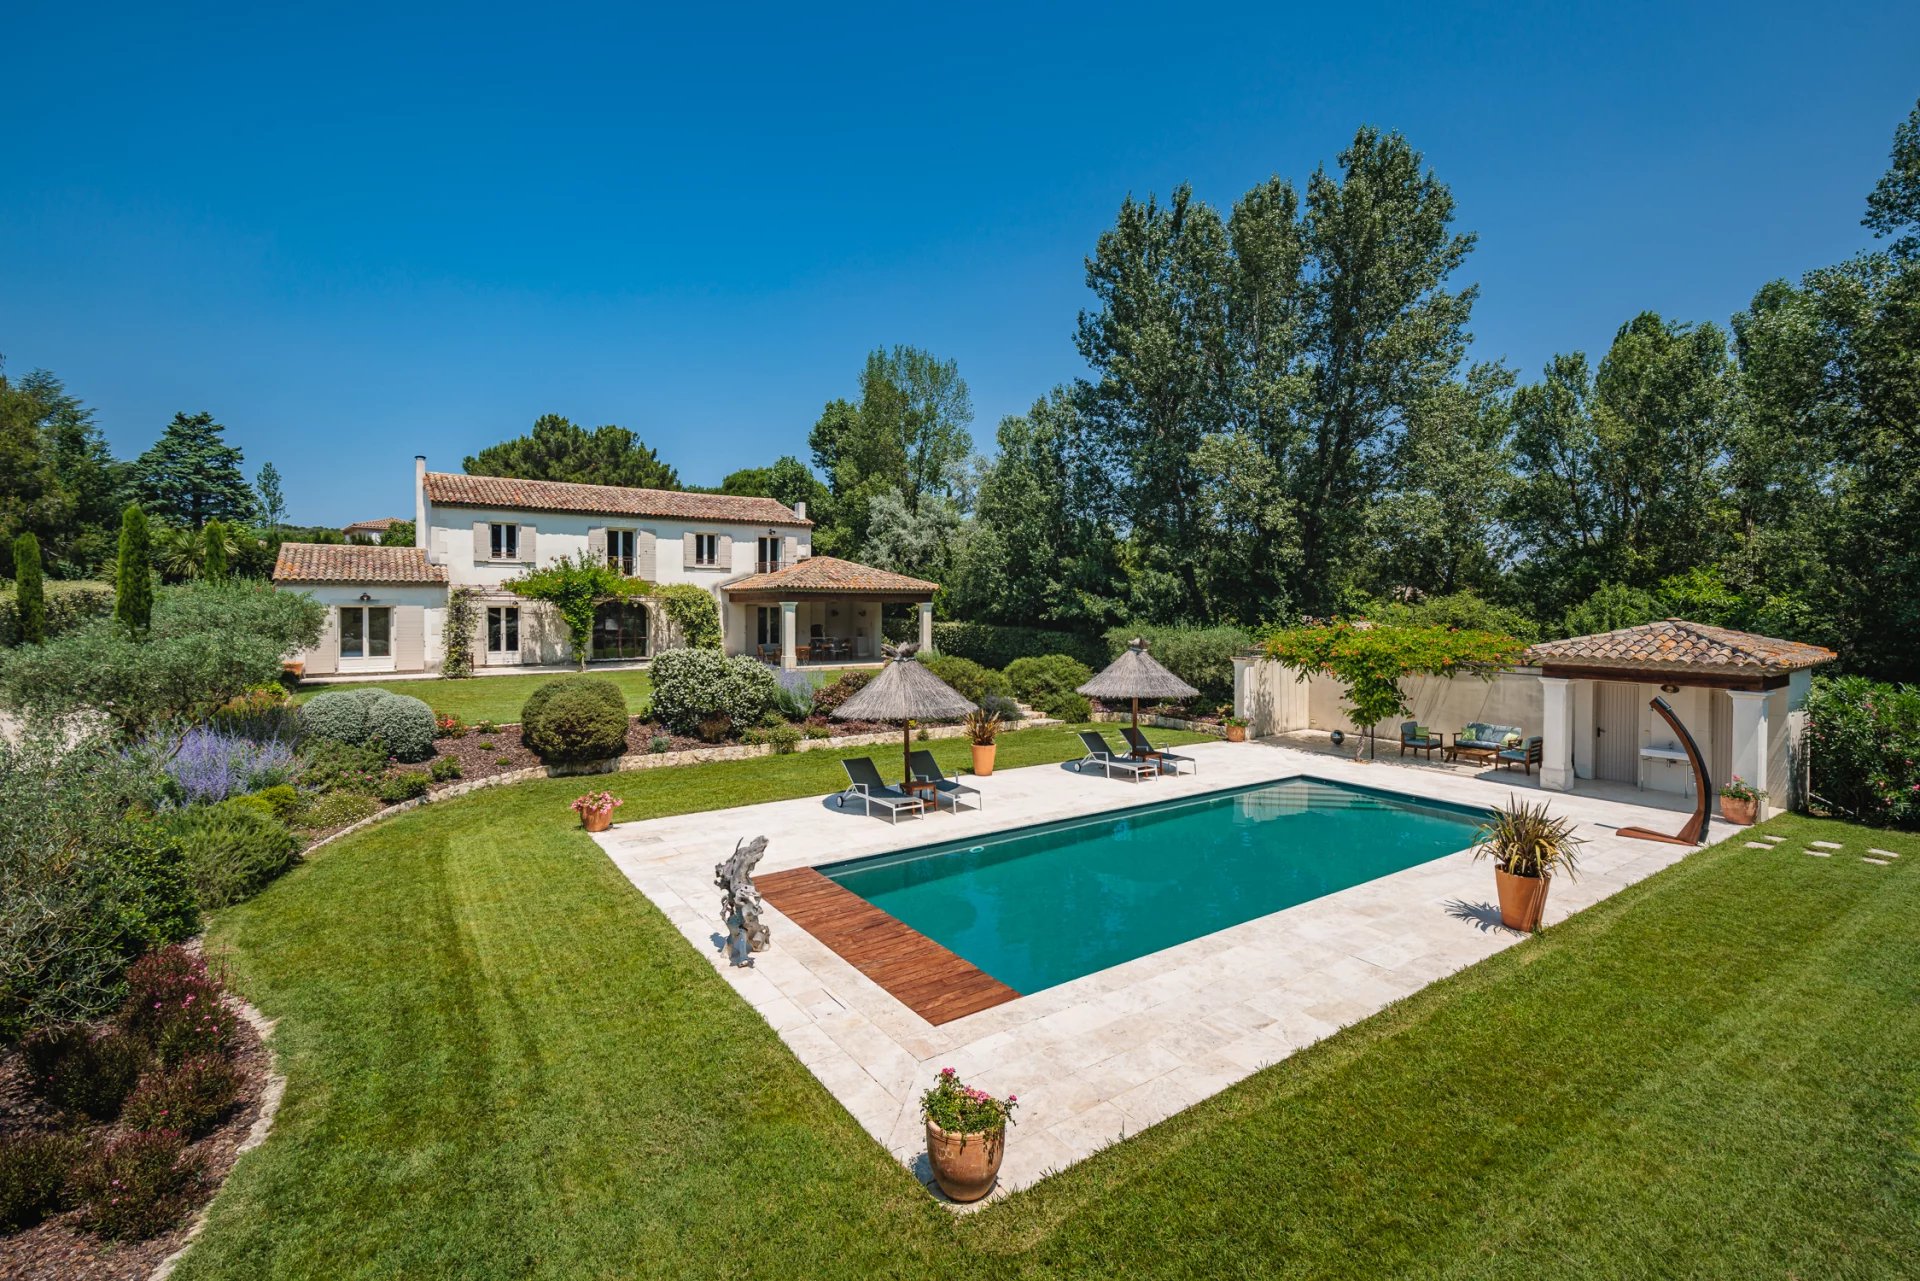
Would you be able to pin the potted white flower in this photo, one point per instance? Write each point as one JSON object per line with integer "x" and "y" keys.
{"x": 966, "y": 1135}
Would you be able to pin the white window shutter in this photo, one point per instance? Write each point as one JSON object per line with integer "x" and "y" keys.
{"x": 724, "y": 551}
{"x": 482, "y": 549}
{"x": 597, "y": 542}
{"x": 789, "y": 550}
{"x": 645, "y": 555}
{"x": 527, "y": 547}
{"x": 686, "y": 549}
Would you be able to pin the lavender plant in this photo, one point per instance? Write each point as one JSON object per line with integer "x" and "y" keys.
{"x": 203, "y": 765}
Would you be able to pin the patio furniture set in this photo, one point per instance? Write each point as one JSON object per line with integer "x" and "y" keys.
{"x": 1479, "y": 744}
{"x": 819, "y": 649}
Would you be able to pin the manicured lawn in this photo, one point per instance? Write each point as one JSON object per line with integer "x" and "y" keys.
{"x": 495, "y": 698}
{"x": 504, "y": 1062}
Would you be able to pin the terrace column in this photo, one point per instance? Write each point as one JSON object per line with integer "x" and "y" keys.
{"x": 1556, "y": 734}
{"x": 926, "y": 626}
{"x": 1748, "y": 760}
{"x": 789, "y": 658}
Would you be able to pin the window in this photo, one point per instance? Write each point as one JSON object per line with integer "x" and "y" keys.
{"x": 706, "y": 549}
{"x": 768, "y": 624}
{"x": 505, "y": 542}
{"x": 620, "y": 549}
{"x": 366, "y": 631}
{"x": 768, "y": 557}
{"x": 619, "y": 630}
{"x": 503, "y": 629}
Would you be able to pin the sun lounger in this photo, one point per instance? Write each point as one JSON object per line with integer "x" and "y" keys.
{"x": 1098, "y": 753}
{"x": 870, "y": 790}
{"x": 1141, "y": 749}
{"x": 927, "y": 770}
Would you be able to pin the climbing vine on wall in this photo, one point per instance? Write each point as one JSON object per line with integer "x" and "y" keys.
{"x": 694, "y": 615}
{"x": 463, "y": 615}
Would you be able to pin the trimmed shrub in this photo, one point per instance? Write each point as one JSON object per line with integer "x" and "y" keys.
{"x": 1863, "y": 749}
{"x": 695, "y": 685}
{"x": 283, "y": 800}
{"x": 1035, "y": 679}
{"x": 405, "y": 785}
{"x": 1070, "y": 707}
{"x": 337, "y": 809}
{"x": 404, "y": 726}
{"x": 785, "y": 738}
{"x": 1005, "y": 708}
{"x": 973, "y": 682}
{"x": 996, "y": 644}
{"x": 444, "y": 769}
{"x": 1200, "y": 656}
{"x": 232, "y": 850}
{"x": 190, "y": 1097}
{"x": 77, "y": 1071}
{"x": 827, "y": 699}
{"x": 340, "y": 715}
{"x": 136, "y": 1186}
{"x": 34, "y": 1169}
{"x": 575, "y": 719}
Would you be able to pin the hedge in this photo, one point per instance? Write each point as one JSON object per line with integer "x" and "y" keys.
{"x": 997, "y": 644}
{"x": 1200, "y": 656}
{"x": 68, "y": 606}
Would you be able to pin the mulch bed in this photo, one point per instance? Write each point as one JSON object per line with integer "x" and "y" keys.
{"x": 58, "y": 1248}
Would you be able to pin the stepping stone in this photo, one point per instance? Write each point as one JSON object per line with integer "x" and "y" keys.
{"x": 1758, "y": 845}
{"x": 1825, "y": 845}
{"x": 1818, "y": 853}
{"x": 1775, "y": 837}
{"x": 1877, "y": 862}
{"x": 1882, "y": 853}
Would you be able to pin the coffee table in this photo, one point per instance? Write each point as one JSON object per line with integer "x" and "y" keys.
{"x": 1473, "y": 752}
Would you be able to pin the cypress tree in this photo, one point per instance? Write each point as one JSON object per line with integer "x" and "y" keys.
{"x": 30, "y": 591}
{"x": 133, "y": 583}
{"x": 213, "y": 563}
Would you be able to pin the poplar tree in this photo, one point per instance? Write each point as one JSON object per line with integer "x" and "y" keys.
{"x": 133, "y": 580}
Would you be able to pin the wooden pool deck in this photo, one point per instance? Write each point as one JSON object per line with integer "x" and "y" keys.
{"x": 923, "y": 976}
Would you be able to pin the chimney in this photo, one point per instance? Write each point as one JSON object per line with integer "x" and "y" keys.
{"x": 800, "y": 509}
{"x": 420, "y": 502}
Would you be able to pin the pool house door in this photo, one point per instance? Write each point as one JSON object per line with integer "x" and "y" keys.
{"x": 1616, "y": 730}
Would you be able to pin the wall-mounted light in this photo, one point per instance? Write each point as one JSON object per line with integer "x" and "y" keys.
{"x": 1669, "y": 689}
{"x": 365, "y": 597}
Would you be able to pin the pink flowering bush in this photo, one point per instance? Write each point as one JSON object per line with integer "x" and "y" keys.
{"x": 176, "y": 1007}
{"x": 189, "y": 1097}
{"x": 136, "y": 1186}
{"x": 958, "y": 1108}
{"x": 596, "y": 803}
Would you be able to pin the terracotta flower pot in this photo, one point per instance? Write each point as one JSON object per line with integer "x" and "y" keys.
{"x": 1739, "y": 811}
{"x": 596, "y": 820}
{"x": 965, "y": 1165}
{"x": 1236, "y": 733}
{"x": 983, "y": 758}
{"x": 1523, "y": 899}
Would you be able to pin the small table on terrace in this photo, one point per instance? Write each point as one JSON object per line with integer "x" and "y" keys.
{"x": 1478, "y": 753}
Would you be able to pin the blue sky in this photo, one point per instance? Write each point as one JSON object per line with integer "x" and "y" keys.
{"x": 354, "y": 234}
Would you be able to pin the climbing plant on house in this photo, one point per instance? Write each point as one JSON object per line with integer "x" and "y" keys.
{"x": 456, "y": 634}
{"x": 1371, "y": 661}
{"x": 574, "y": 586}
{"x": 693, "y": 613}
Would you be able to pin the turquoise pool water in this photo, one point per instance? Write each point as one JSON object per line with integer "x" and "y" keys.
{"x": 1041, "y": 905}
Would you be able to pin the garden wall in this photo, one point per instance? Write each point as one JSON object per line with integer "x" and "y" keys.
{"x": 1274, "y": 701}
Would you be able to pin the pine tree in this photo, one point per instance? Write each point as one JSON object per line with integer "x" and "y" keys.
{"x": 192, "y": 475}
{"x": 30, "y": 591}
{"x": 213, "y": 560}
{"x": 133, "y": 583}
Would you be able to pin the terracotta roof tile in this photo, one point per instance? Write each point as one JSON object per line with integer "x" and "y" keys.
{"x": 1683, "y": 646}
{"x": 354, "y": 563}
{"x": 457, "y": 489}
{"x": 831, "y": 574}
{"x": 379, "y": 525}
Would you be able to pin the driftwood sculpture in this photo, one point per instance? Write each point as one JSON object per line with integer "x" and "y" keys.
{"x": 1694, "y": 832}
{"x": 740, "y": 901}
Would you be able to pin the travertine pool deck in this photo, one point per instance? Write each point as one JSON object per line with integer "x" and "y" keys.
{"x": 1107, "y": 1055}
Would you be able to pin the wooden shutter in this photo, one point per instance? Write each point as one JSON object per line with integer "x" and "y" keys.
{"x": 409, "y": 638}
{"x": 324, "y": 658}
{"x": 645, "y": 554}
{"x": 723, "y": 551}
{"x": 597, "y": 542}
{"x": 482, "y": 550}
{"x": 789, "y": 550}
{"x": 527, "y": 546}
{"x": 686, "y": 551}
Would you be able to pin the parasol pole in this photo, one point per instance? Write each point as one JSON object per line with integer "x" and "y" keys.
{"x": 1136, "y": 714}
{"x": 906, "y": 754}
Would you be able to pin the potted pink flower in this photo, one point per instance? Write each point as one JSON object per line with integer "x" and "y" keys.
{"x": 1740, "y": 801}
{"x": 966, "y": 1135}
{"x": 596, "y": 809}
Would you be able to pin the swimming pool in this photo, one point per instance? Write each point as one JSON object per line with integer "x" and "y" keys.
{"x": 1038, "y": 906}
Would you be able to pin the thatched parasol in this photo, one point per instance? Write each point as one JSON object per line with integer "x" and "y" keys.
{"x": 1135, "y": 675}
{"x": 905, "y": 691}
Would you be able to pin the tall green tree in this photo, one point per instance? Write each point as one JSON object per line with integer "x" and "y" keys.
{"x": 907, "y": 433}
{"x": 790, "y": 481}
{"x": 1893, "y": 208}
{"x": 213, "y": 557}
{"x": 192, "y": 475}
{"x": 29, "y": 590}
{"x": 133, "y": 578}
{"x": 273, "y": 499}
{"x": 558, "y": 449}
{"x": 57, "y": 476}
{"x": 398, "y": 534}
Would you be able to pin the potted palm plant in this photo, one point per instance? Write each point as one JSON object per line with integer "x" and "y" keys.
{"x": 1528, "y": 845}
{"x": 966, "y": 1135}
{"x": 1740, "y": 801}
{"x": 596, "y": 809}
{"x": 983, "y": 727}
